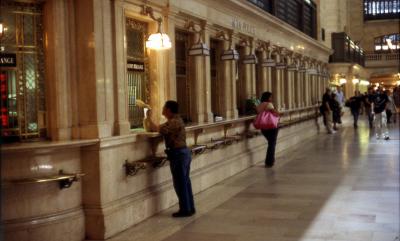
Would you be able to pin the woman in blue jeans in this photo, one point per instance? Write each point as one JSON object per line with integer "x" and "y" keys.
{"x": 270, "y": 134}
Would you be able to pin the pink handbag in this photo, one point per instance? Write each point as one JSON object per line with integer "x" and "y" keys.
{"x": 266, "y": 120}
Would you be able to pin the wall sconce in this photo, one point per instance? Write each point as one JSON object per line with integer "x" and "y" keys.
{"x": 2, "y": 30}
{"x": 229, "y": 54}
{"x": 398, "y": 82}
{"x": 355, "y": 81}
{"x": 159, "y": 40}
{"x": 200, "y": 48}
{"x": 364, "y": 82}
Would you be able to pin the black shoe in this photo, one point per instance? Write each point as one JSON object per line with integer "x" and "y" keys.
{"x": 181, "y": 214}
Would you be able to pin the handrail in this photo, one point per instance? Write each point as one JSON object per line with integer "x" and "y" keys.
{"x": 132, "y": 168}
{"x": 65, "y": 180}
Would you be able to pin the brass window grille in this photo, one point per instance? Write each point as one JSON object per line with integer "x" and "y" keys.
{"x": 240, "y": 82}
{"x": 23, "y": 108}
{"x": 137, "y": 72}
{"x": 215, "y": 56}
{"x": 183, "y": 87}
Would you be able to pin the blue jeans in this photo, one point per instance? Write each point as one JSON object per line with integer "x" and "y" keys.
{"x": 180, "y": 160}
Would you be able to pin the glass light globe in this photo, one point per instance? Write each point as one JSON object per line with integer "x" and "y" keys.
{"x": 158, "y": 41}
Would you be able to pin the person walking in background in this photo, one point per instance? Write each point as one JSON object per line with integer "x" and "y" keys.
{"x": 355, "y": 107}
{"x": 396, "y": 96}
{"x": 179, "y": 156}
{"x": 341, "y": 100}
{"x": 368, "y": 99}
{"x": 336, "y": 111}
{"x": 391, "y": 108}
{"x": 270, "y": 134}
{"x": 326, "y": 99}
{"x": 379, "y": 106}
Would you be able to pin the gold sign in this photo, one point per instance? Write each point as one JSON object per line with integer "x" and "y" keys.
{"x": 243, "y": 26}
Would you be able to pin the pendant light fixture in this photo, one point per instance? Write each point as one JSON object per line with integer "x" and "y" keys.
{"x": 159, "y": 40}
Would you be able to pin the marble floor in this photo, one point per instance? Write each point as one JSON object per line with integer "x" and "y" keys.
{"x": 343, "y": 187}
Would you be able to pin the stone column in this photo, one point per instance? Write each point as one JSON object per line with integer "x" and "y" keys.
{"x": 228, "y": 84}
{"x": 201, "y": 91}
{"x": 122, "y": 125}
{"x": 208, "y": 115}
{"x": 269, "y": 78}
{"x": 308, "y": 80}
{"x": 318, "y": 87}
{"x": 299, "y": 87}
{"x": 289, "y": 91}
{"x": 280, "y": 78}
{"x": 305, "y": 88}
{"x": 94, "y": 58}
{"x": 61, "y": 75}
{"x": 248, "y": 75}
{"x": 263, "y": 73}
{"x": 279, "y": 83}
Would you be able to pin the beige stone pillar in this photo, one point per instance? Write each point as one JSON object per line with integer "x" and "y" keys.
{"x": 94, "y": 58}
{"x": 308, "y": 78}
{"x": 122, "y": 125}
{"x": 269, "y": 78}
{"x": 314, "y": 89}
{"x": 299, "y": 88}
{"x": 249, "y": 76}
{"x": 289, "y": 92}
{"x": 229, "y": 101}
{"x": 262, "y": 83}
{"x": 275, "y": 87}
{"x": 201, "y": 87}
{"x": 318, "y": 87}
{"x": 305, "y": 89}
{"x": 280, "y": 79}
{"x": 208, "y": 115}
{"x": 279, "y": 83}
{"x": 61, "y": 73}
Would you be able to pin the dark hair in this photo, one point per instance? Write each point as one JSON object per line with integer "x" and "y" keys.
{"x": 172, "y": 105}
{"x": 265, "y": 96}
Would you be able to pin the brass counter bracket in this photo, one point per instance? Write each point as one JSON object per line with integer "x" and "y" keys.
{"x": 157, "y": 161}
{"x": 234, "y": 138}
{"x": 251, "y": 134}
{"x": 226, "y": 127}
{"x": 215, "y": 144}
{"x": 196, "y": 135}
{"x": 198, "y": 149}
{"x": 132, "y": 168}
{"x": 64, "y": 180}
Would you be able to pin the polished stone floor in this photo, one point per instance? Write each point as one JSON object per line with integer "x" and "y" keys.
{"x": 343, "y": 187}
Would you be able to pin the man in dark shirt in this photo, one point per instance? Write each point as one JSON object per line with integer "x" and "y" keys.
{"x": 326, "y": 100}
{"x": 378, "y": 106}
{"x": 355, "y": 106}
{"x": 179, "y": 156}
{"x": 368, "y": 99}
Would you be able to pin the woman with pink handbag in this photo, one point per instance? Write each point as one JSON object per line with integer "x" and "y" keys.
{"x": 267, "y": 121}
